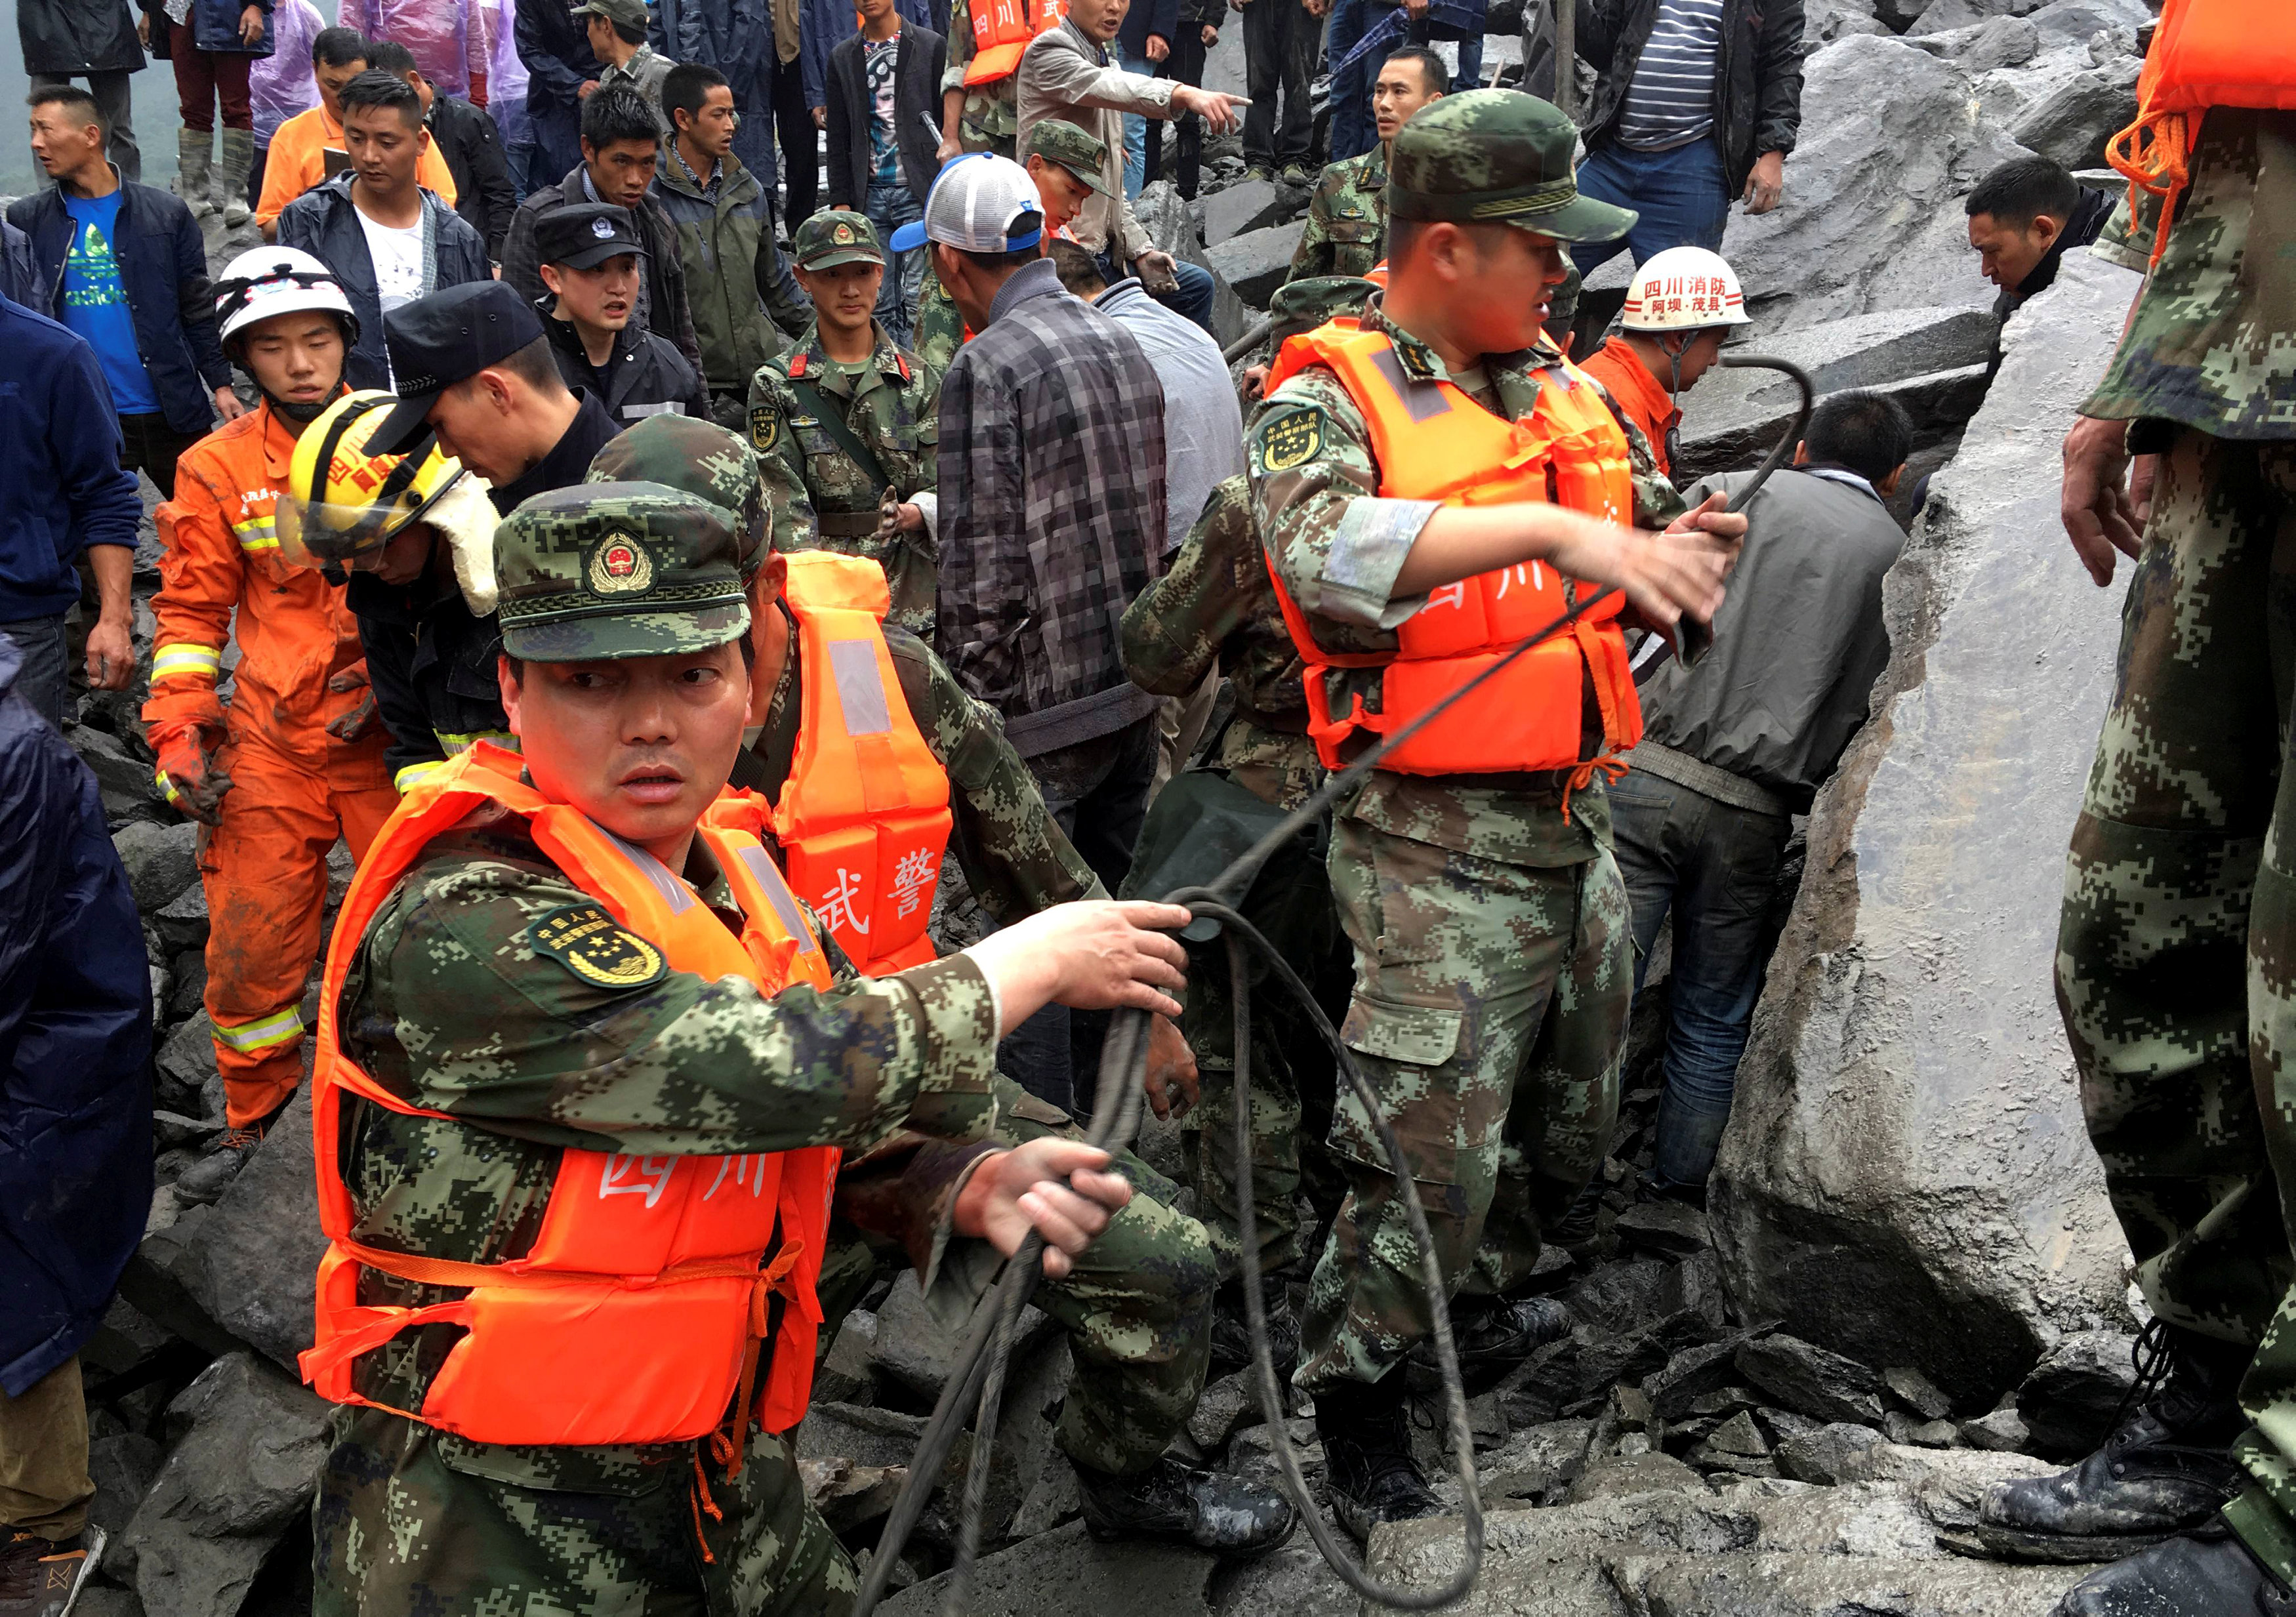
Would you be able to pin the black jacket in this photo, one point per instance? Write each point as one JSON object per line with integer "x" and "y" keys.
{"x": 324, "y": 222}
{"x": 68, "y": 36}
{"x": 429, "y": 662}
{"x": 1757, "y": 74}
{"x": 2089, "y": 215}
{"x": 661, "y": 301}
{"x": 568, "y": 459}
{"x": 163, "y": 268}
{"x": 917, "y": 66}
{"x": 645, "y": 377}
{"x": 474, "y": 149}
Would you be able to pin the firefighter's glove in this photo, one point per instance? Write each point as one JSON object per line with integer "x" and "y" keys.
{"x": 354, "y": 721}
{"x": 190, "y": 777}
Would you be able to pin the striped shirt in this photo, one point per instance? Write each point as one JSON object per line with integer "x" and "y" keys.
{"x": 1671, "y": 100}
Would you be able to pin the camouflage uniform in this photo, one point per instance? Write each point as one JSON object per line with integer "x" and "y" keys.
{"x": 1214, "y": 608}
{"x": 452, "y": 1004}
{"x": 820, "y": 494}
{"x": 2184, "y": 858}
{"x": 1347, "y": 218}
{"x": 1489, "y": 923}
{"x": 992, "y": 111}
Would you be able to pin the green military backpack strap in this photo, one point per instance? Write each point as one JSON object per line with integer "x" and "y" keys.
{"x": 816, "y": 403}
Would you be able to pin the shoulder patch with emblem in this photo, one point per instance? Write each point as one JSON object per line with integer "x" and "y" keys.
{"x": 1290, "y": 439}
{"x": 764, "y": 430}
{"x": 595, "y": 947}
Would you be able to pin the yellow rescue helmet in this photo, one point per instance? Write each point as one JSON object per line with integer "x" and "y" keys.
{"x": 342, "y": 502}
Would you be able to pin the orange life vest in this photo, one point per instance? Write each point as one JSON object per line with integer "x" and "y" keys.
{"x": 1001, "y": 32}
{"x": 864, "y": 818}
{"x": 642, "y": 1313}
{"x": 2204, "y": 53}
{"x": 1433, "y": 442}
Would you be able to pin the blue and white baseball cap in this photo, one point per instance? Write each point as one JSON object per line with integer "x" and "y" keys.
{"x": 980, "y": 203}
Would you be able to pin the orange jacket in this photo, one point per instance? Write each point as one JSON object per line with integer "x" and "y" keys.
{"x": 1637, "y": 392}
{"x": 1001, "y": 32}
{"x": 2205, "y": 54}
{"x": 642, "y": 1312}
{"x": 297, "y": 160}
{"x": 864, "y": 818}
{"x": 221, "y": 555}
{"x": 1437, "y": 443}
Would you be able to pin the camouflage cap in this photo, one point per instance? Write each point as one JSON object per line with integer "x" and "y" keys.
{"x": 618, "y": 570}
{"x": 1497, "y": 157}
{"x": 1303, "y": 305}
{"x": 835, "y": 236}
{"x": 630, "y": 13}
{"x": 1067, "y": 146}
{"x": 700, "y": 458}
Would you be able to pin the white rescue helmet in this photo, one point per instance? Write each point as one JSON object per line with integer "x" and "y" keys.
{"x": 1684, "y": 288}
{"x": 266, "y": 280}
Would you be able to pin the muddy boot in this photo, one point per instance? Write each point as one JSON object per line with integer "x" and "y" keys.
{"x": 1493, "y": 1336}
{"x": 1369, "y": 1475}
{"x": 196, "y": 171}
{"x": 2165, "y": 1469}
{"x": 1231, "y": 1331}
{"x": 1225, "y": 1515}
{"x": 2205, "y": 1572}
{"x": 210, "y": 1176}
{"x": 231, "y": 176}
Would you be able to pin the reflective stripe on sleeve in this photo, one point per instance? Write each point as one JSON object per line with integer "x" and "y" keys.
{"x": 183, "y": 658}
{"x": 263, "y": 1033}
{"x": 257, "y": 533}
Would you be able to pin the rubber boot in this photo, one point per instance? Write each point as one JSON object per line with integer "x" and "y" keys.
{"x": 231, "y": 176}
{"x": 196, "y": 171}
{"x": 1228, "y": 1517}
{"x": 2167, "y": 1469}
{"x": 2206, "y": 1573}
{"x": 1369, "y": 1475}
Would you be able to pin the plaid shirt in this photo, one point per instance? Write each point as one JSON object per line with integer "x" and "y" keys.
{"x": 1051, "y": 512}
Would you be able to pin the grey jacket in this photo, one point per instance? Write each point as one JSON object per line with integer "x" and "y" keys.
{"x": 1064, "y": 74}
{"x": 1797, "y": 643}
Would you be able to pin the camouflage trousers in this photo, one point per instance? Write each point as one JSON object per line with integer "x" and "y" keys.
{"x": 1136, "y": 1307}
{"x": 1489, "y": 1013}
{"x": 2176, "y": 946}
{"x": 408, "y": 1519}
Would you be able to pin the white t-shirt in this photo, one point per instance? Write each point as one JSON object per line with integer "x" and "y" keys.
{"x": 398, "y": 259}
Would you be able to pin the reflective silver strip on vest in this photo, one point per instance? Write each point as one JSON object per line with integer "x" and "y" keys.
{"x": 860, "y": 687}
{"x": 768, "y": 875}
{"x": 639, "y": 411}
{"x": 674, "y": 891}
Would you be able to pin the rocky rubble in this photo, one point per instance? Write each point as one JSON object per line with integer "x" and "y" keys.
{"x": 1909, "y": 1286}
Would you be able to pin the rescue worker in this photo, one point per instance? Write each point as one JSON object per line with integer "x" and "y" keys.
{"x": 416, "y": 533}
{"x": 296, "y": 762}
{"x": 1472, "y": 871}
{"x": 2178, "y": 928}
{"x": 1066, "y": 161}
{"x": 1346, "y": 233}
{"x": 589, "y": 255}
{"x": 1683, "y": 304}
{"x": 846, "y": 424}
{"x": 575, "y": 1027}
{"x": 1214, "y": 610}
{"x": 981, "y": 103}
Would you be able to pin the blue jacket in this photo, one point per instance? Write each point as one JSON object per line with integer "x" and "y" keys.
{"x": 1148, "y": 17}
{"x": 163, "y": 268}
{"x": 75, "y": 1050}
{"x": 736, "y": 38}
{"x": 557, "y": 56}
{"x": 20, "y": 277}
{"x": 323, "y": 223}
{"x": 60, "y": 464}
{"x": 214, "y": 28}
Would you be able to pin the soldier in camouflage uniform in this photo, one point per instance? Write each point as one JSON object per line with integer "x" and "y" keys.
{"x": 2183, "y": 866}
{"x": 988, "y": 115}
{"x": 1489, "y": 923}
{"x": 1134, "y": 1305}
{"x": 846, "y": 438}
{"x": 1345, "y": 232}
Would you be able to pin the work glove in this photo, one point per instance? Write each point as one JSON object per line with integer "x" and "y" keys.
{"x": 189, "y": 776}
{"x": 354, "y": 721}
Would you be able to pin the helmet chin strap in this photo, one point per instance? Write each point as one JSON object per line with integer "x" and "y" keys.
{"x": 302, "y": 414}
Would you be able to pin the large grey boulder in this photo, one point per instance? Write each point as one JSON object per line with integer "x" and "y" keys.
{"x": 1905, "y": 1178}
{"x": 1892, "y": 140}
{"x": 253, "y": 1265}
{"x": 1066, "y": 1572}
{"x": 1255, "y": 262}
{"x": 2072, "y": 122}
{"x": 251, "y": 1444}
{"x": 161, "y": 860}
